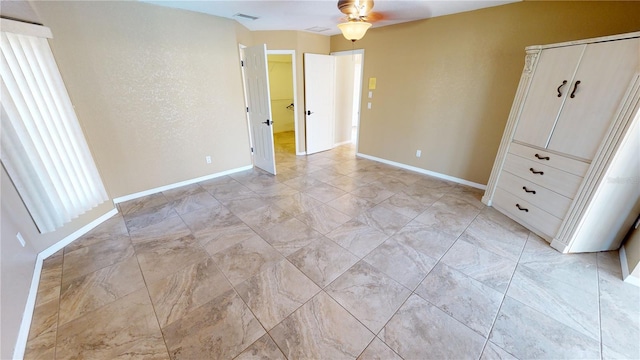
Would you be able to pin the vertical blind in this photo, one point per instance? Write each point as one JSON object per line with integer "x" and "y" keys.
{"x": 42, "y": 145}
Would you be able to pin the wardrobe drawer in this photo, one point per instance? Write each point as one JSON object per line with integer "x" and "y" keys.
{"x": 547, "y": 200}
{"x": 569, "y": 165}
{"x": 561, "y": 182}
{"x": 529, "y": 214}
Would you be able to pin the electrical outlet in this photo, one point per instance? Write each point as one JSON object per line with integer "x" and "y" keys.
{"x": 418, "y": 153}
{"x": 21, "y": 239}
{"x": 208, "y": 159}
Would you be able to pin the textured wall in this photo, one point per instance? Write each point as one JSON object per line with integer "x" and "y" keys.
{"x": 155, "y": 89}
{"x": 445, "y": 85}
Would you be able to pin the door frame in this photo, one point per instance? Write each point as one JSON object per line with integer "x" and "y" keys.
{"x": 295, "y": 91}
{"x": 241, "y": 48}
{"x": 359, "y": 100}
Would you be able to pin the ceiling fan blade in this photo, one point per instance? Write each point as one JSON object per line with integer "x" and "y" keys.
{"x": 374, "y": 17}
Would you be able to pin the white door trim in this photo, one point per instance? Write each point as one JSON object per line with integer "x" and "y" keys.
{"x": 359, "y": 100}
{"x": 295, "y": 91}
{"x": 246, "y": 103}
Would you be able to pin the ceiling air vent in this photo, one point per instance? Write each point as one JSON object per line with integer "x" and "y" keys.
{"x": 245, "y": 16}
{"x": 317, "y": 29}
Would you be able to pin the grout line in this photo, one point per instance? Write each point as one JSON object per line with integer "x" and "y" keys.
{"x": 504, "y": 296}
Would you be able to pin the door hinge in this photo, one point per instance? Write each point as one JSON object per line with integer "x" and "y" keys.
{"x": 247, "y": 109}
{"x": 241, "y": 62}
{"x": 252, "y": 150}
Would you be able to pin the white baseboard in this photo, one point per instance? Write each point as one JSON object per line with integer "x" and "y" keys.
{"x": 179, "y": 184}
{"x": 626, "y": 276}
{"x": 423, "y": 171}
{"x": 301, "y": 153}
{"x": 27, "y": 316}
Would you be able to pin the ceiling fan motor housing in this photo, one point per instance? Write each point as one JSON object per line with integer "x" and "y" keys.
{"x": 355, "y": 9}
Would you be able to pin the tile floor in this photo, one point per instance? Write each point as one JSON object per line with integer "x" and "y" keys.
{"x": 335, "y": 257}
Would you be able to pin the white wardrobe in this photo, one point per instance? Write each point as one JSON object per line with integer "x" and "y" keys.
{"x": 568, "y": 166}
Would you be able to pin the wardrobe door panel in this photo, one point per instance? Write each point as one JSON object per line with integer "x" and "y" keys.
{"x": 604, "y": 75}
{"x": 542, "y": 104}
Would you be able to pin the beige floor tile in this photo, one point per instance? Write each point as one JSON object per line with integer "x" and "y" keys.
{"x": 322, "y": 261}
{"x": 357, "y": 237}
{"x": 529, "y": 334}
{"x": 296, "y": 204}
{"x": 160, "y": 258}
{"x": 321, "y": 329}
{"x": 197, "y": 201}
{"x": 367, "y": 293}
{"x": 541, "y": 257}
{"x": 467, "y": 300}
{"x": 51, "y": 273}
{"x": 92, "y": 291}
{"x": 324, "y": 192}
{"x": 275, "y": 293}
{"x": 402, "y": 263}
{"x": 323, "y": 218}
{"x": 126, "y": 327}
{"x": 420, "y": 330}
{"x": 181, "y": 292}
{"x": 497, "y": 233}
{"x": 219, "y": 329}
{"x": 42, "y": 347}
{"x": 265, "y": 217}
{"x": 484, "y": 266}
{"x": 112, "y": 228}
{"x": 171, "y": 229}
{"x": 290, "y": 236}
{"x": 263, "y": 349}
{"x": 426, "y": 239}
{"x": 183, "y": 191}
{"x": 246, "y": 258}
{"x": 383, "y": 219}
{"x": 569, "y": 305}
{"x": 372, "y": 192}
{"x": 148, "y": 217}
{"x": 142, "y": 204}
{"x": 378, "y": 350}
{"x": 405, "y": 204}
{"x": 449, "y": 214}
{"x": 94, "y": 257}
{"x": 494, "y": 352}
{"x": 351, "y": 205}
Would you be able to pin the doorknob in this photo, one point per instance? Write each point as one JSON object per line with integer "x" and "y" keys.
{"x": 309, "y": 112}
{"x": 267, "y": 122}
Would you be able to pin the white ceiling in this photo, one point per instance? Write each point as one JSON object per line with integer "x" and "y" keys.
{"x": 303, "y": 15}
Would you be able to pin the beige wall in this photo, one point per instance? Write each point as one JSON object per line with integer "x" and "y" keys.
{"x": 302, "y": 43}
{"x": 445, "y": 85}
{"x": 155, "y": 89}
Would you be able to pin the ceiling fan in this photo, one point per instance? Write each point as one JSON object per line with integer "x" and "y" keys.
{"x": 359, "y": 18}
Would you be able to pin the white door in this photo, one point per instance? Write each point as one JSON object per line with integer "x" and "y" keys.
{"x": 319, "y": 95}
{"x": 257, "y": 86}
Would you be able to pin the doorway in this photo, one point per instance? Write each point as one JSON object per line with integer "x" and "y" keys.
{"x": 349, "y": 73}
{"x": 282, "y": 88}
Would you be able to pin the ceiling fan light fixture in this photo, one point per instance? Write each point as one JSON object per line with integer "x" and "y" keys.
{"x": 354, "y": 30}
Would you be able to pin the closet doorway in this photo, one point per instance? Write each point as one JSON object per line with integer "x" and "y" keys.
{"x": 282, "y": 88}
{"x": 349, "y": 70}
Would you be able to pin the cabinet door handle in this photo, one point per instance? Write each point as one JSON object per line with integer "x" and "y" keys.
{"x": 560, "y": 87}
{"x": 528, "y": 191}
{"x": 542, "y": 157}
{"x": 521, "y": 208}
{"x": 536, "y": 172}
{"x": 575, "y": 87}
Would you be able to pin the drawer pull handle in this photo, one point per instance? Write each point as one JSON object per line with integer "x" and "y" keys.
{"x": 536, "y": 172}
{"x": 560, "y": 87}
{"x": 575, "y": 87}
{"x": 542, "y": 157}
{"x": 521, "y": 208}
{"x": 528, "y": 191}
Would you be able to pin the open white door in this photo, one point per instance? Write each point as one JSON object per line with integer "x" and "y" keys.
{"x": 259, "y": 106}
{"x": 319, "y": 94}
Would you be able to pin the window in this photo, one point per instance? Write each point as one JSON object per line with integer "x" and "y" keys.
{"x": 42, "y": 145}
